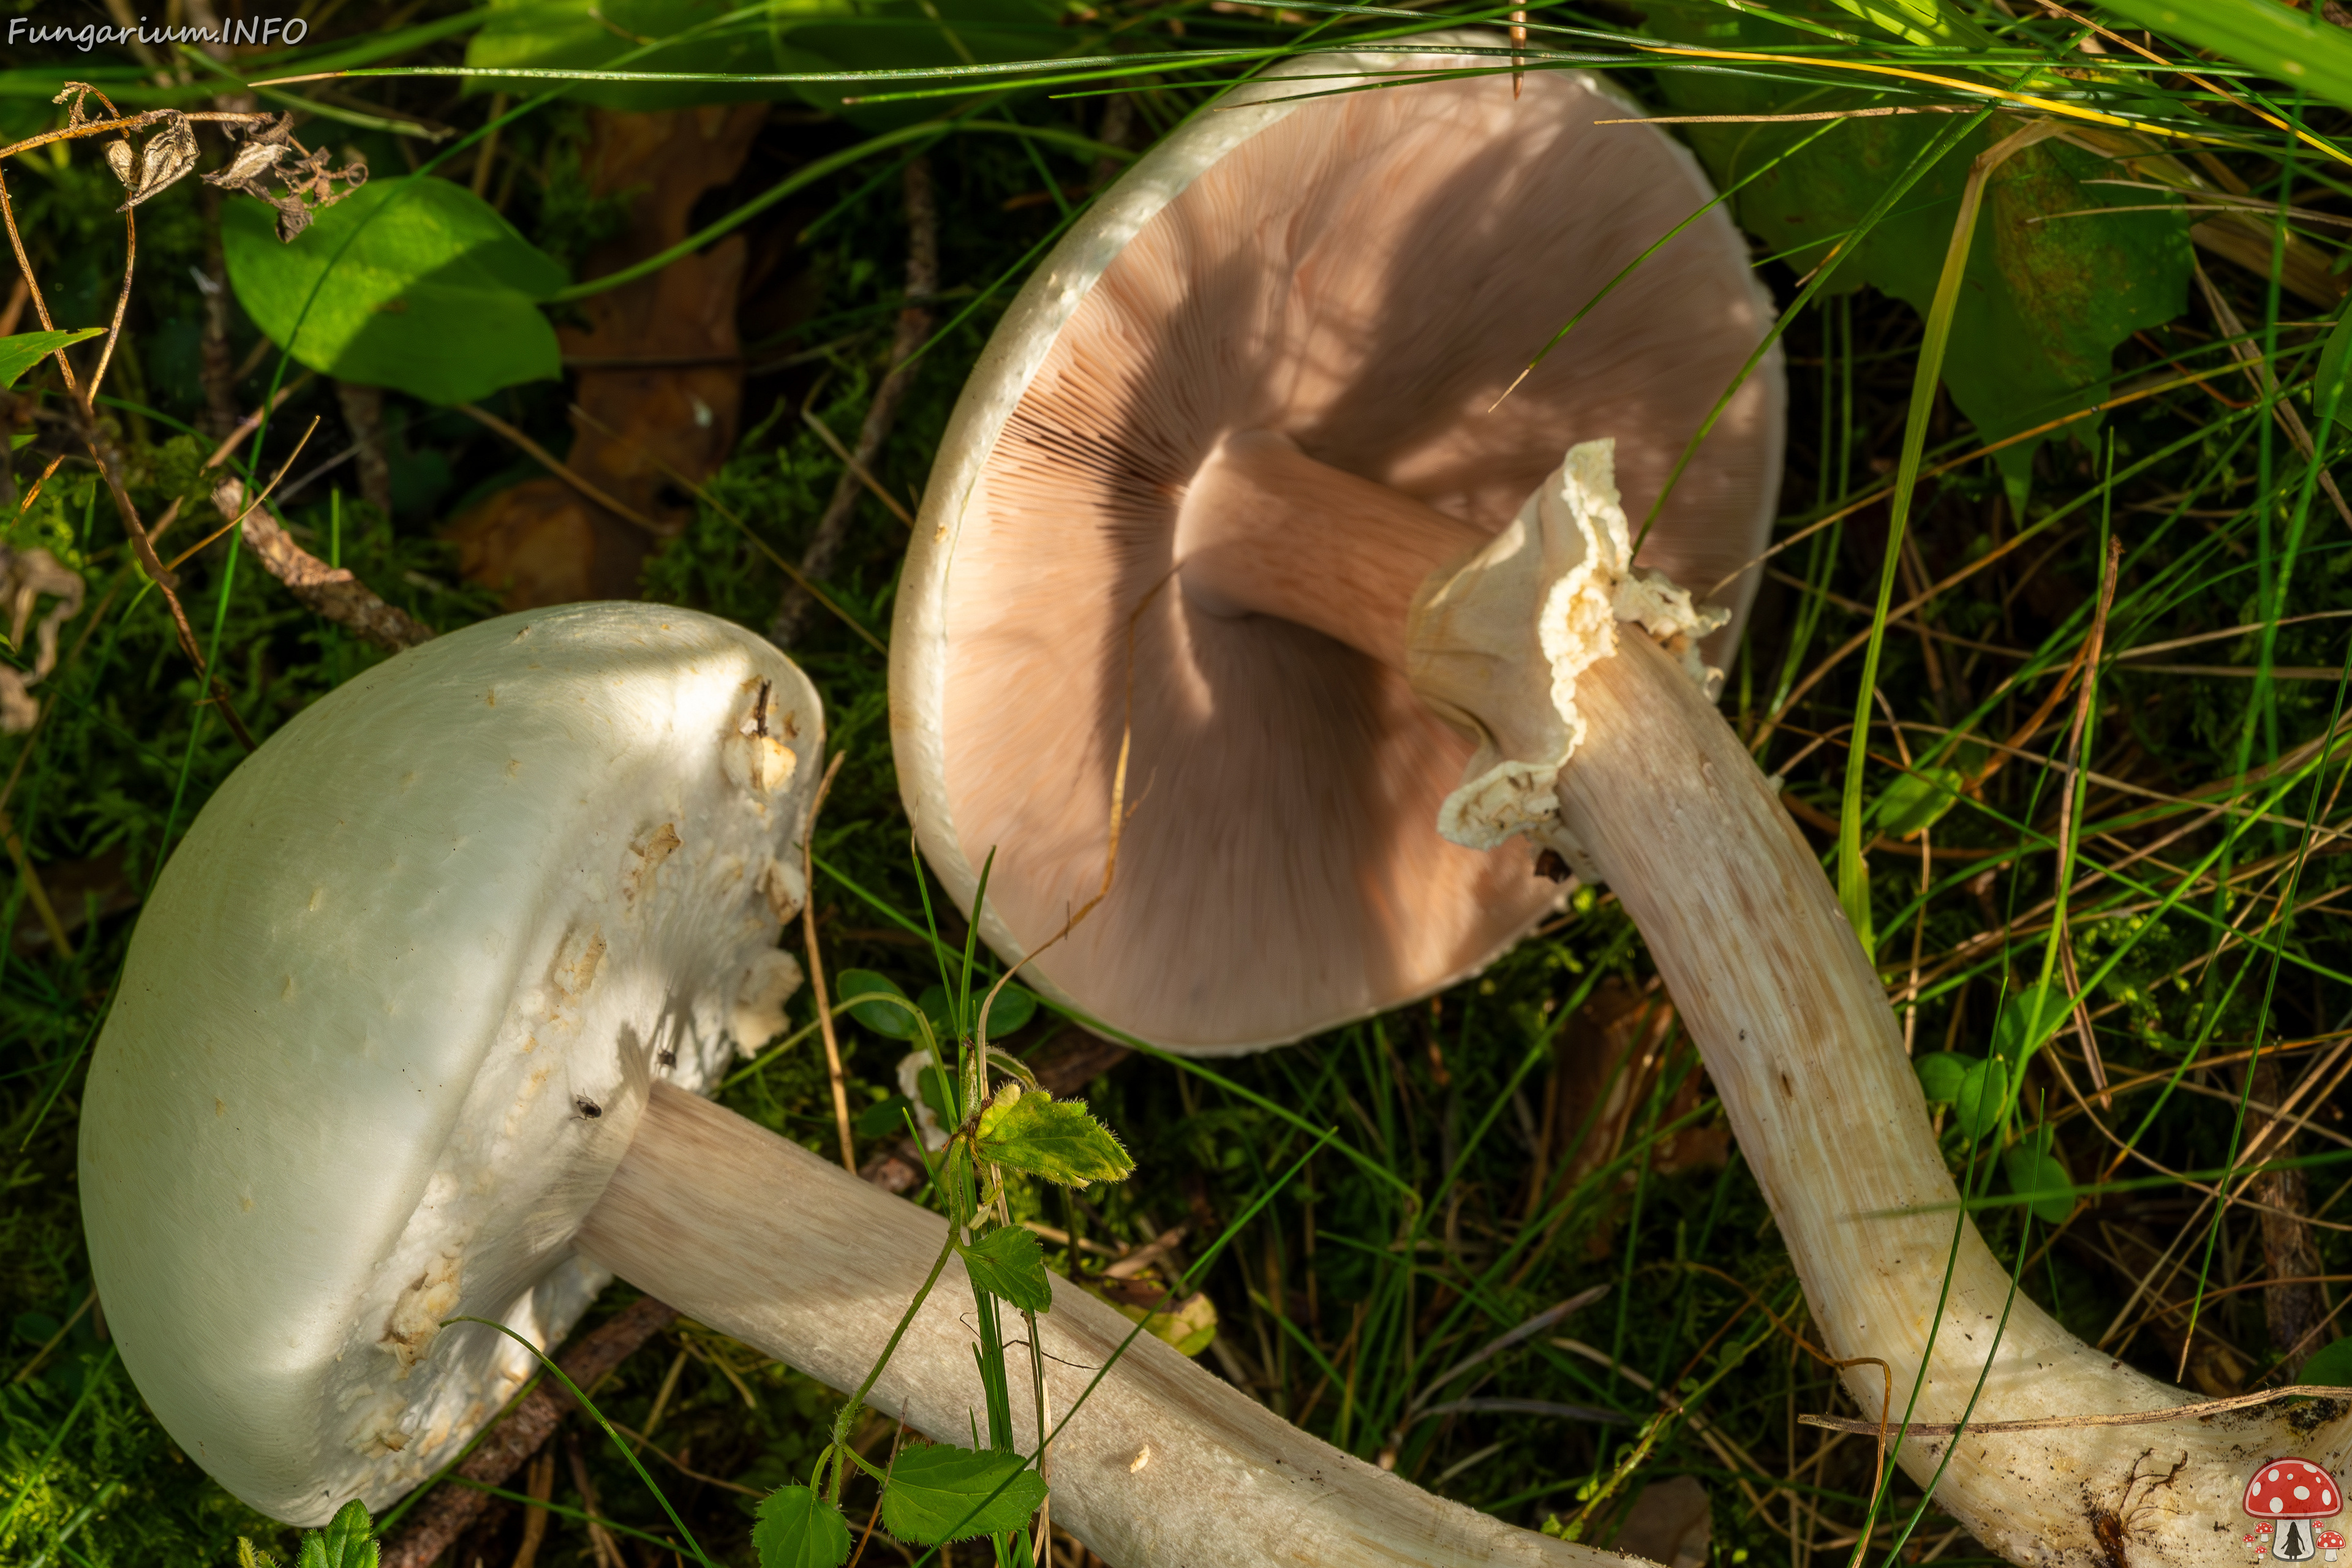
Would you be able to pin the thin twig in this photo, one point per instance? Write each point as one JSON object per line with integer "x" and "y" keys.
{"x": 701, "y": 492}
{"x": 2055, "y": 1422}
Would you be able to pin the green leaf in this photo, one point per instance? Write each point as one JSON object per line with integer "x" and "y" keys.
{"x": 2296, "y": 48}
{"x": 1051, "y": 1137}
{"x": 1918, "y": 800}
{"x": 2330, "y": 1365}
{"x": 1012, "y": 1008}
{"x": 1983, "y": 1097}
{"x": 939, "y": 1008}
{"x": 893, "y": 1020}
{"x": 2036, "y": 1171}
{"x": 2029, "y": 1017}
{"x": 26, "y": 350}
{"x": 884, "y": 1118}
{"x": 1009, "y": 1262}
{"x": 798, "y": 1528}
{"x": 428, "y": 289}
{"x": 2047, "y": 294}
{"x": 2329, "y": 378}
{"x": 1941, "y": 1074}
{"x": 935, "y": 1089}
{"x": 348, "y": 1542}
{"x": 933, "y": 1492}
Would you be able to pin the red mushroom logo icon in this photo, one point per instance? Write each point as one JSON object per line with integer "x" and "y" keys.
{"x": 2331, "y": 1542}
{"x": 2291, "y": 1493}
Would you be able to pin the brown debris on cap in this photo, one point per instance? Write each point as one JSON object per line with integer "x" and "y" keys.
{"x": 1365, "y": 273}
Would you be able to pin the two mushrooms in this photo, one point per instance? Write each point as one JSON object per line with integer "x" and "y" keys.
{"x": 412, "y": 1028}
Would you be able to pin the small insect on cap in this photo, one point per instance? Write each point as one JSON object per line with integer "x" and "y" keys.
{"x": 1362, "y": 273}
{"x": 390, "y": 1018}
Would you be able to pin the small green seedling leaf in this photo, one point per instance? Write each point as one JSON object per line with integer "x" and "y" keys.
{"x": 798, "y": 1528}
{"x": 934, "y": 1088}
{"x": 2037, "y": 1173}
{"x": 1051, "y": 1137}
{"x": 247, "y": 1557}
{"x": 416, "y": 284}
{"x": 1009, "y": 1262}
{"x": 2029, "y": 1017}
{"x": 1941, "y": 1074}
{"x": 1012, "y": 1009}
{"x": 2330, "y": 1365}
{"x": 884, "y": 1118}
{"x": 1918, "y": 801}
{"x": 26, "y": 350}
{"x": 893, "y": 1019}
{"x": 1983, "y": 1097}
{"x": 939, "y": 1008}
{"x": 348, "y": 1542}
{"x": 933, "y": 1491}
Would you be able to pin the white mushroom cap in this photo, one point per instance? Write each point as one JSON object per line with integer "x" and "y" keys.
{"x": 389, "y": 1020}
{"x": 1362, "y": 274}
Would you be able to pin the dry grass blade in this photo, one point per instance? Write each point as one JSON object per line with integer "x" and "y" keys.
{"x": 839, "y": 1081}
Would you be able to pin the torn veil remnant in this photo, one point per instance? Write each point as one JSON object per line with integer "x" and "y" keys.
{"x": 1562, "y": 572}
{"x": 1238, "y": 466}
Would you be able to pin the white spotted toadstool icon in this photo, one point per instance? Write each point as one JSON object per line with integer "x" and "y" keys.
{"x": 2291, "y": 1493}
{"x": 2331, "y": 1542}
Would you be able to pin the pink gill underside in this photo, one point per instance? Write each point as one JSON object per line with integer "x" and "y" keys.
{"x": 1368, "y": 293}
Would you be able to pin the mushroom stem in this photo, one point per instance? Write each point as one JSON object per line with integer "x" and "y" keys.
{"x": 1164, "y": 1465}
{"x": 1792, "y": 1023}
{"x": 1265, "y": 529}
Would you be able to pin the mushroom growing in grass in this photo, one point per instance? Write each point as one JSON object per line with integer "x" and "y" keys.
{"x": 407, "y": 1034}
{"x": 1229, "y": 503}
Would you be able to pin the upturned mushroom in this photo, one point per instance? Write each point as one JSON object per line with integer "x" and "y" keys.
{"x": 1231, "y": 495}
{"x": 1270, "y": 352}
{"x": 408, "y": 1031}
